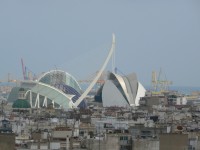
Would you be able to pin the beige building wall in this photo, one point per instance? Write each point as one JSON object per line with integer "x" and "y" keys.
{"x": 112, "y": 143}
{"x": 173, "y": 142}
{"x": 7, "y": 141}
{"x": 96, "y": 145}
{"x": 143, "y": 144}
{"x": 61, "y": 134}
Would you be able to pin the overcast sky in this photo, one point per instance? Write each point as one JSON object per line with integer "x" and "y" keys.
{"x": 75, "y": 36}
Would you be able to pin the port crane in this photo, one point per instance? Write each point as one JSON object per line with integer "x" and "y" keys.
{"x": 160, "y": 83}
{"x": 9, "y": 79}
{"x": 27, "y": 73}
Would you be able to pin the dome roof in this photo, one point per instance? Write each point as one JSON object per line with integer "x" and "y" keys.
{"x": 21, "y": 103}
{"x": 54, "y": 77}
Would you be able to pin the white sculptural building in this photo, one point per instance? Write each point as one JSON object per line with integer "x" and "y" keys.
{"x": 121, "y": 91}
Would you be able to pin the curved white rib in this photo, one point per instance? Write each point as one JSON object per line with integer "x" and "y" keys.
{"x": 140, "y": 93}
{"x": 123, "y": 85}
{"x": 67, "y": 74}
{"x": 51, "y": 92}
{"x": 74, "y": 105}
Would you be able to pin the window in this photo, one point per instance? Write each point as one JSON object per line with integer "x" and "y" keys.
{"x": 125, "y": 138}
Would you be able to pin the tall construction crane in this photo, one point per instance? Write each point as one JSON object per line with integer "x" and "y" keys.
{"x": 160, "y": 83}
{"x": 23, "y": 69}
{"x": 27, "y": 73}
{"x": 9, "y": 79}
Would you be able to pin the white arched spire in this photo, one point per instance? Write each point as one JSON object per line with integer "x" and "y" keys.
{"x": 74, "y": 105}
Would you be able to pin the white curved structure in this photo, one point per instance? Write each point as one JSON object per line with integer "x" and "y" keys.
{"x": 47, "y": 91}
{"x": 74, "y": 105}
{"x": 56, "y": 87}
{"x": 60, "y": 88}
{"x": 140, "y": 93}
{"x": 122, "y": 91}
{"x": 111, "y": 96}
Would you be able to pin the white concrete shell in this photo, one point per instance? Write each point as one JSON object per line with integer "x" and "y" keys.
{"x": 111, "y": 96}
{"x": 122, "y": 91}
{"x": 140, "y": 93}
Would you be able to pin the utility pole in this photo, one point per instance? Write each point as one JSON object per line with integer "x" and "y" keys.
{"x": 2, "y": 109}
{"x": 99, "y": 136}
{"x": 73, "y": 128}
{"x": 99, "y": 133}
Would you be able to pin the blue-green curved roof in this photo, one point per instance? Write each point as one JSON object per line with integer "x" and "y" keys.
{"x": 13, "y": 94}
{"x": 21, "y": 103}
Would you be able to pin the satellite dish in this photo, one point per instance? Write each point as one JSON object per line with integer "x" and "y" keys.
{"x": 179, "y": 127}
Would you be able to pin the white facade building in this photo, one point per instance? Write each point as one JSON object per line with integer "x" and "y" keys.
{"x": 122, "y": 91}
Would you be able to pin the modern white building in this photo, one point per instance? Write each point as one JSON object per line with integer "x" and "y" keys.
{"x": 53, "y": 87}
{"x": 122, "y": 91}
